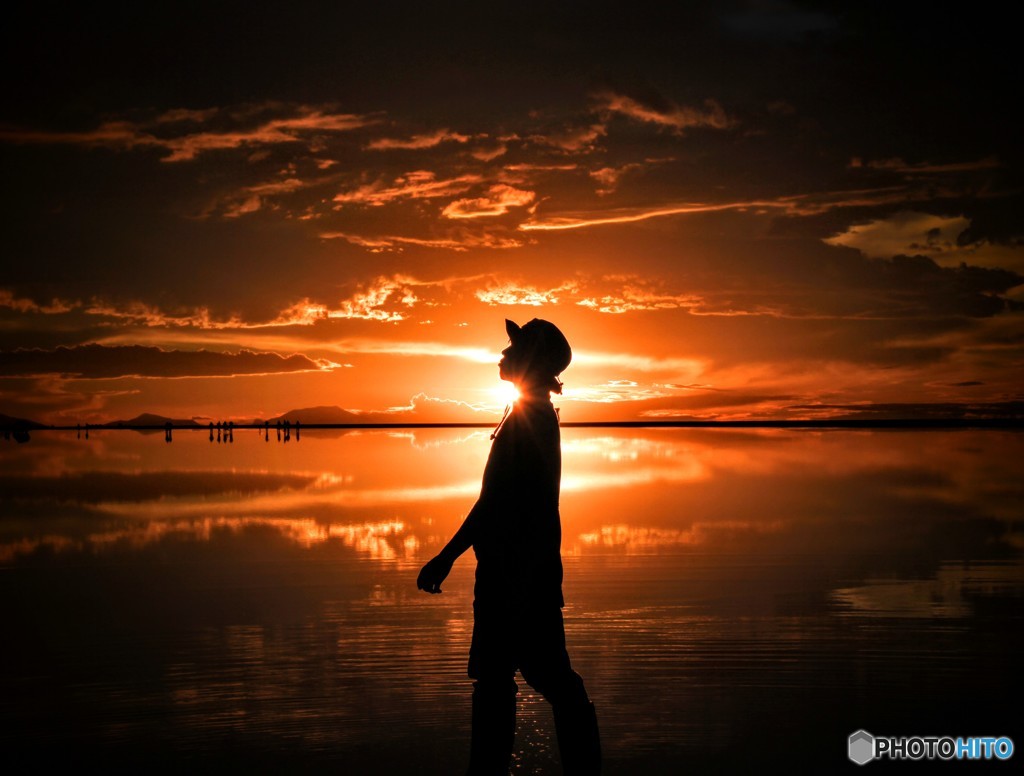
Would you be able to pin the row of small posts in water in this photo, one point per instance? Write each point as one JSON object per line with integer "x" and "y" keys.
{"x": 220, "y": 432}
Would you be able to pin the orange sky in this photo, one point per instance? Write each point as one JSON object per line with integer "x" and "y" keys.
{"x": 724, "y": 214}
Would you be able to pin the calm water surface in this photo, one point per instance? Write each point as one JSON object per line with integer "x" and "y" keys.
{"x": 732, "y": 597}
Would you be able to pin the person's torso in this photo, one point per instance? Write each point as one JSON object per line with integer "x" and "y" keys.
{"x": 518, "y": 537}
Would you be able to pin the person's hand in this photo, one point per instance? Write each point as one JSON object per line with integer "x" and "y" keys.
{"x": 433, "y": 574}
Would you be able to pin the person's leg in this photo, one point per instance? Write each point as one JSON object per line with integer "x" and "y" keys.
{"x": 546, "y": 667}
{"x": 492, "y": 665}
{"x": 494, "y": 726}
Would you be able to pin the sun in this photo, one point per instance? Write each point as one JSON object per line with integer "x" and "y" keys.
{"x": 505, "y": 393}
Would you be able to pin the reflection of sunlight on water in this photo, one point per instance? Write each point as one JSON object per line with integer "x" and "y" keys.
{"x": 690, "y": 470}
{"x": 383, "y": 540}
{"x": 715, "y": 581}
{"x": 331, "y": 480}
{"x": 617, "y": 448}
{"x": 333, "y": 493}
{"x": 11, "y": 550}
{"x": 945, "y": 596}
{"x": 634, "y": 539}
{"x": 438, "y": 442}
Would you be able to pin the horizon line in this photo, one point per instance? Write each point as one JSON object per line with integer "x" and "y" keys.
{"x": 852, "y": 423}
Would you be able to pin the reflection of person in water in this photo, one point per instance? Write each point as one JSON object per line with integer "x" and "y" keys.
{"x": 515, "y": 531}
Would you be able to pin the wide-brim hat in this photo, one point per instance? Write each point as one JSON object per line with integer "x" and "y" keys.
{"x": 549, "y": 347}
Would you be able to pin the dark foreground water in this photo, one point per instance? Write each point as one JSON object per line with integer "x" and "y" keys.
{"x": 734, "y": 598}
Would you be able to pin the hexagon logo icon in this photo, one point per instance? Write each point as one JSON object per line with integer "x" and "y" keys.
{"x": 861, "y": 747}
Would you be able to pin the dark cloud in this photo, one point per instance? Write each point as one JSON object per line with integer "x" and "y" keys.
{"x": 923, "y": 410}
{"x": 101, "y": 361}
{"x": 916, "y": 285}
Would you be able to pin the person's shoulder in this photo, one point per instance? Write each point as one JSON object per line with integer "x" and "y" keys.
{"x": 537, "y": 421}
{"x": 540, "y": 411}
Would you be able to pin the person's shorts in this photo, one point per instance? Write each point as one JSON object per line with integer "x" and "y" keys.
{"x": 530, "y": 639}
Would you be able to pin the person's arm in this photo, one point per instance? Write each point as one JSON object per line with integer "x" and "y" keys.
{"x": 437, "y": 568}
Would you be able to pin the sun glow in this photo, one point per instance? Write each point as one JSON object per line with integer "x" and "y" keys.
{"x": 505, "y": 393}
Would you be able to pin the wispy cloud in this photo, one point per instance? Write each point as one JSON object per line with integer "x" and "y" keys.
{"x": 688, "y": 369}
{"x": 302, "y": 122}
{"x": 460, "y": 242}
{"x": 113, "y": 134}
{"x": 485, "y": 151}
{"x": 517, "y": 294}
{"x": 131, "y": 312}
{"x": 382, "y": 300}
{"x": 22, "y": 304}
{"x": 144, "y": 314}
{"x": 634, "y": 298}
{"x": 575, "y": 139}
{"x": 500, "y": 198}
{"x": 419, "y": 184}
{"x": 253, "y": 198}
{"x": 795, "y": 205}
{"x": 428, "y": 140}
{"x": 282, "y": 130}
{"x": 632, "y": 215}
{"x": 608, "y": 178}
{"x": 896, "y": 164}
{"x": 94, "y": 361}
{"x": 438, "y": 410}
{"x": 670, "y": 115}
{"x": 611, "y": 392}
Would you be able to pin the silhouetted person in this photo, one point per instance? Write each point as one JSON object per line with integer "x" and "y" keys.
{"x": 515, "y": 531}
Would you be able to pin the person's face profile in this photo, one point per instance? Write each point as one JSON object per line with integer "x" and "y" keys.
{"x": 507, "y": 368}
{"x": 514, "y": 363}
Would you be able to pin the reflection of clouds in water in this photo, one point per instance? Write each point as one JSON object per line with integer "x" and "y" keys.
{"x": 640, "y": 540}
{"x": 387, "y": 540}
{"x": 686, "y": 470}
{"x": 329, "y": 494}
{"x": 11, "y": 550}
{"x": 621, "y": 448}
{"x": 946, "y": 596}
{"x": 633, "y": 460}
{"x": 437, "y": 442}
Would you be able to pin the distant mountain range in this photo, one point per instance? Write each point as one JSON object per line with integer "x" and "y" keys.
{"x": 324, "y": 414}
{"x": 150, "y": 419}
{"x": 6, "y": 421}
